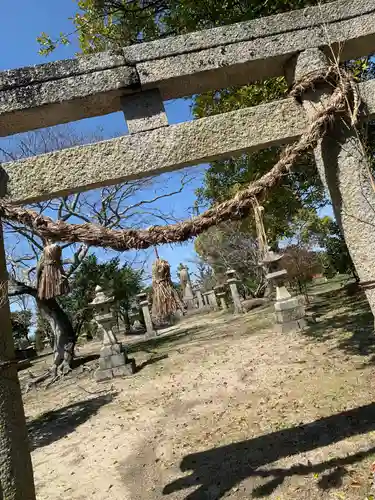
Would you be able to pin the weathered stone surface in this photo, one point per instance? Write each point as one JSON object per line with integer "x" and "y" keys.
{"x": 278, "y": 24}
{"x": 39, "y": 73}
{"x": 288, "y": 315}
{"x": 109, "y": 350}
{"x": 64, "y": 100}
{"x": 242, "y": 62}
{"x": 285, "y": 305}
{"x": 149, "y": 153}
{"x": 105, "y": 363}
{"x": 343, "y": 166}
{"x": 42, "y": 95}
{"x": 102, "y": 375}
{"x": 292, "y": 326}
{"x": 118, "y": 360}
{"x": 164, "y": 149}
{"x": 125, "y": 370}
{"x": 144, "y": 111}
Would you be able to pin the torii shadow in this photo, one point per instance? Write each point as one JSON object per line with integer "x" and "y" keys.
{"x": 217, "y": 471}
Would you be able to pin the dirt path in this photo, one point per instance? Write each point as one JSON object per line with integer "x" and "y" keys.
{"x": 235, "y": 411}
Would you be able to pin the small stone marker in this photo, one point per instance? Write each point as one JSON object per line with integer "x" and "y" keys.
{"x": 144, "y": 304}
{"x": 221, "y": 295}
{"x": 113, "y": 361}
{"x": 232, "y": 282}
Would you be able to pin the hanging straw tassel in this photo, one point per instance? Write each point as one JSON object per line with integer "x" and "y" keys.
{"x": 165, "y": 299}
{"x": 51, "y": 279}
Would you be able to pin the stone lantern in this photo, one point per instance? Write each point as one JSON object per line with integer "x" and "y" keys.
{"x": 276, "y": 275}
{"x": 113, "y": 361}
{"x": 289, "y": 312}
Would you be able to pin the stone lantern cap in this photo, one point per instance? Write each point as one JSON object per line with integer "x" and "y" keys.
{"x": 270, "y": 257}
{"x": 142, "y": 298}
{"x": 100, "y": 298}
{"x": 231, "y": 274}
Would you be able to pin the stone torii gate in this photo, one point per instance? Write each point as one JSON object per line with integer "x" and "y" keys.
{"x": 137, "y": 80}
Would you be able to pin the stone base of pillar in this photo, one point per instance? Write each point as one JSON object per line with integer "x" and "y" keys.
{"x": 289, "y": 315}
{"x": 150, "y": 334}
{"x": 291, "y": 326}
{"x": 113, "y": 362}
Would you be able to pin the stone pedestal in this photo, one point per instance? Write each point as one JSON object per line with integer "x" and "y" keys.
{"x": 289, "y": 314}
{"x": 143, "y": 302}
{"x": 113, "y": 361}
{"x": 232, "y": 282}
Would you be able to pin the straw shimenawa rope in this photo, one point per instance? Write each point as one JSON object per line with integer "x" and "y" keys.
{"x": 236, "y": 208}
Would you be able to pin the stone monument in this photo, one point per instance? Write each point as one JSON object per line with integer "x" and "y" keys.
{"x": 186, "y": 288}
{"x": 113, "y": 361}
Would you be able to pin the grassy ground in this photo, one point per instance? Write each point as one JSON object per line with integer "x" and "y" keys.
{"x": 222, "y": 407}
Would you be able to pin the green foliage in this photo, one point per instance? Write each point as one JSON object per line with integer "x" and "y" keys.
{"x": 21, "y": 323}
{"x": 302, "y": 188}
{"x": 301, "y": 265}
{"x": 325, "y": 233}
{"x": 103, "y": 24}
{"x": 120, "y": 281}
{"x": 226, "y": 247}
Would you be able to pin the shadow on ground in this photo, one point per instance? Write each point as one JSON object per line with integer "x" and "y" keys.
{"x": 150, "y": 361}
{"x": 82, "y": 360}
{"x": 201, "y": 333}
{"x": 215, "y": 472}
{"x": 54, "y": 425}
{"x": 344, "y": 314}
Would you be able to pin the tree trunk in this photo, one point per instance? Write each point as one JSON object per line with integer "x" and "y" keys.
{"x": 126, "y": 320}
{"x": 16, "y": 473}
{"x": 64, "y": 336}
{"x": 61, "y": 326}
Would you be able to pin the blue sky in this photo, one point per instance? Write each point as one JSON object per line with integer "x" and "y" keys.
{"x": 21, "y": 22}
